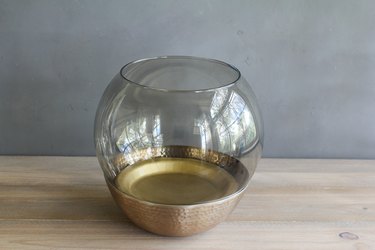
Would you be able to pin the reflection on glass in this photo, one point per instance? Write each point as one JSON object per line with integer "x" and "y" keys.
{"x": 140, "y": 133}
{"x": 228, "y": 127}
{"x": 233, "y": 122}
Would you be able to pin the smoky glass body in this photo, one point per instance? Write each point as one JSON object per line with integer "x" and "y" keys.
{"x": 165, "y": 105}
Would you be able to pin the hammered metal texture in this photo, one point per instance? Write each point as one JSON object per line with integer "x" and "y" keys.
{"x": 174, "y": 220}
{"x": 179, "y": 220}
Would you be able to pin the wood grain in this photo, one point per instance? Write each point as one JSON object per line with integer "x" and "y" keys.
{"x": 63, "y": 202}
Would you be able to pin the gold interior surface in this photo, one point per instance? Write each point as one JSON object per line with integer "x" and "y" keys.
{"x": 176, "y": 181}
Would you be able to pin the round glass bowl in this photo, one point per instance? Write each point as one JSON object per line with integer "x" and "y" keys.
{"x": 178, "y": 139}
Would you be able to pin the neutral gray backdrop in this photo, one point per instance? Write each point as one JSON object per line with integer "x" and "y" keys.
{"x": 311, "y": 64}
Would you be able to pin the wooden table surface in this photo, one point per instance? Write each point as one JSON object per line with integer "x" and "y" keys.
{"x": 63, "y": 202}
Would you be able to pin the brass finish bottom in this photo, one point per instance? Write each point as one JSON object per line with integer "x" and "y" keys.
{"x": 177, "y": 190}
{"x": 174, "y": 220}
{"x": 176, "y": 181}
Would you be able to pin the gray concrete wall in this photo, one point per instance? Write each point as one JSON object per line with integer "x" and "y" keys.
{"x": 311, "y": 64}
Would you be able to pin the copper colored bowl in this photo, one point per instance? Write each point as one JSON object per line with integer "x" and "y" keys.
{"x": 174, "y": 220}
{"x": 179, "y": 219}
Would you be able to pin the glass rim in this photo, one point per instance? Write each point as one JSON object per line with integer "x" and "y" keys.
{"x": 220, "y": 85}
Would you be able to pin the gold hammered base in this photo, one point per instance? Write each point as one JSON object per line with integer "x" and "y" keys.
{"x": 174, "y": 220}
